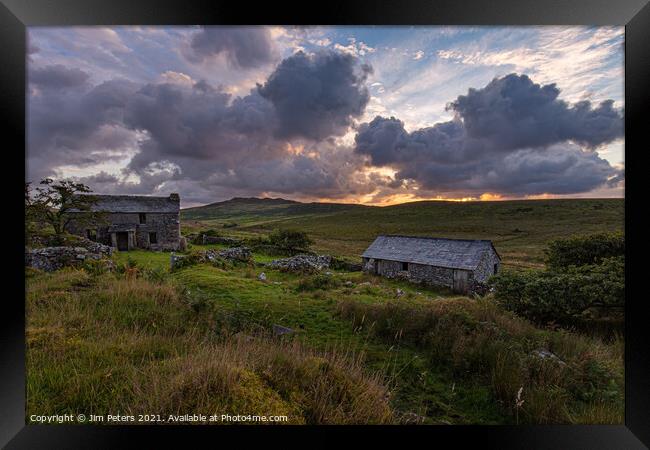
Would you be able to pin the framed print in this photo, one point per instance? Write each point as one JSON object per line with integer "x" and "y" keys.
{"x": 379, "y": 219}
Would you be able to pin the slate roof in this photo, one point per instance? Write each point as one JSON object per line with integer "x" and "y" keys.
{"x": 440, "y": 252}
{"x": 135, "y": 204}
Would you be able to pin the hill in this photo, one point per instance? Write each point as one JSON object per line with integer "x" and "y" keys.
{"x": 519, "y": 229}
{"x": 246, "y": 210}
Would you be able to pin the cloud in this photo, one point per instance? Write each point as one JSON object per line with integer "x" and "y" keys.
{"x": 243, "y": 47}
{"x": 513, "y": 112}
{"x": 57, "y": 77}
{"x": 317, "y": 96}
{"x": 180, "y": 132}
{"x": 78, "y": 127}
{"x": 512, "y": 137}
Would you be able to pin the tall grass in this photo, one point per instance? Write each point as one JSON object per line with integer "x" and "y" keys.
{"x": 109, "y": 344}
{"x": 477, "y": 339}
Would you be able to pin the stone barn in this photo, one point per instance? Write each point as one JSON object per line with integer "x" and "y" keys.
{"x": 132, "y": 221}
{"x": 459, "y": 264}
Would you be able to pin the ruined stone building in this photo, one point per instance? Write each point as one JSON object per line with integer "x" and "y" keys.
{"x": 132, "y": 221}
{"x": 455, "y": 263}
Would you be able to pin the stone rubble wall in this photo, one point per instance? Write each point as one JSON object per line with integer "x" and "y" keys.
{"x": 55, "y": 258}
{"x": 302, "y": 263}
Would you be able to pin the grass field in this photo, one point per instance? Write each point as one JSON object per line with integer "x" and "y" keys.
{"x": 518, "y": 229}
{"x": 198, "y": 340}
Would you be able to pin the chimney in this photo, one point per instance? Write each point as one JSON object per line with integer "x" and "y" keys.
{"x": 175, "y": 197}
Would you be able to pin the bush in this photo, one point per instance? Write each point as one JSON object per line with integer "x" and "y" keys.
{"x": 290, "y": 241}
{"x": 545, "y": 296}
{"x": 584, "y": 250}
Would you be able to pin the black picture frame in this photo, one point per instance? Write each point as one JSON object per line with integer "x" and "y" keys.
{"x": 16, "y": 15}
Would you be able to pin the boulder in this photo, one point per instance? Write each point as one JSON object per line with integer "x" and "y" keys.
{"x": 279, "y": 330}
{"x": 547, "y": 355}
{"x": 262, "y": 277}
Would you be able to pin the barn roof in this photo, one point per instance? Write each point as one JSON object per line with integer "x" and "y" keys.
{"x": 441, "y": 252}
{"x": 135, "y": 204}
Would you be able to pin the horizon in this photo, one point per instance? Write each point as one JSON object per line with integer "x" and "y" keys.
{"x": 403, "y": 203}
{"x": 371, "y": 115}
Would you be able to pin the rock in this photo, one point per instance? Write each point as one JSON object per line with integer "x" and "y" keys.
{"x": 348, "y": 283}
{"x": 302, "y": 263}
{"x": 262, "y": 277}
{"x": 279, "y": 330}
{"x": 544, "y": 354}
{"x": 399, "y": 292}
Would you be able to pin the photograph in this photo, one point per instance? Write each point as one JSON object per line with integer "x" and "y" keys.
{"x": 325, "y": 225}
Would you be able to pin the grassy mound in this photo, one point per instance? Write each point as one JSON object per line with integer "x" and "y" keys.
{"x": 540, "y": 376}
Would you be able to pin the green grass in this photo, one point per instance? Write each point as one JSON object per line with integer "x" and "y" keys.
{"x": 234, "y": 301}
{"x": 518, "y": 229}
{"x": 134, "y": 343}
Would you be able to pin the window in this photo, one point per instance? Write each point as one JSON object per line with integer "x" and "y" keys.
{"x": 153, "y": 239}
{"x": 496, "y": 268}
{"x": 405, "y": 266}
{"x": 91, "y": 234}
{"x": 143, "y": 218}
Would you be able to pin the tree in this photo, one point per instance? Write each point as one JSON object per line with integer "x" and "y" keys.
{"x": 53, "y": 202}
{"x": 290, "y": 240}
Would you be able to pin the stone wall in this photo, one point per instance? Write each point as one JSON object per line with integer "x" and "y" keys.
{"x": 485, "y": 268}
{"x": 440, "y": 276}
{"x": 54, "y": 258}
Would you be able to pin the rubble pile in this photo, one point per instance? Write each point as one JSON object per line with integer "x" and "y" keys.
{"x": 242, "y": 254}
{"x": 302, "y": 263}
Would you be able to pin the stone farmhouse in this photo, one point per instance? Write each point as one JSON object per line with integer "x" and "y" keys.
{"x": 459, "y": 264}
{"x": 132, "y": 221}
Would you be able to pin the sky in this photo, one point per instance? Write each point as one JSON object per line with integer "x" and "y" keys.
{"x": 374, "y": 115}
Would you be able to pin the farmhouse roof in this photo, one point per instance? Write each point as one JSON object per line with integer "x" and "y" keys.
{"x": 135, "y": 204}
{"x": 441, "y": 252}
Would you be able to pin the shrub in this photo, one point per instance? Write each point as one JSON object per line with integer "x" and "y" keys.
{"x": 98, "y": 267}
{"x": 291, "y": 241}
{"x": 584, "y": 250}
{"x": 545, "y": 296}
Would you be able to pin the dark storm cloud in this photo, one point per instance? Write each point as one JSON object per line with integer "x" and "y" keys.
{"x": 77, "y": 127}
{"x": 57, "y": 77}
{"x": 513, "y": 112}
{"x": 244, "y": 47}
{"x": 201, "y": 136}
{"x": 318, "y": 95}
{"x": 513, "y": 137}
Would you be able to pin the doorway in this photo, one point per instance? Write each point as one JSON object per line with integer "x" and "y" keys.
{"x": 122, "y": 240}
{"x": 460, "y": 281}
